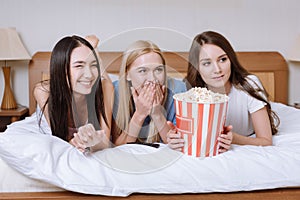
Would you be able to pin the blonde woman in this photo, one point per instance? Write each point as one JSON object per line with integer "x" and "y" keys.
{"x": 143, "y": 96}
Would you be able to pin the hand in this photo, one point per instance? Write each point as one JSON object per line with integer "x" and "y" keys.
{"x": 174, "y": 139}
{"x": 225, "y": 139}
{"x": 87, "y": 136}
{"x": 143, "y": 100}
{"x": 159, "y": 92}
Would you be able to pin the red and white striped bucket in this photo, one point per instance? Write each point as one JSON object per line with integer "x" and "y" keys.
{"x": 200, "y": 125}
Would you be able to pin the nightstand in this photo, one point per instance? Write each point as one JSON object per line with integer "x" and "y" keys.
{"x": 12, "y": 115}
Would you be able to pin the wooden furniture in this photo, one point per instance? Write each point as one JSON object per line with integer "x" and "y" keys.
{"x": 8, "y": 99}
{"x": 269, "y": 66}
{"x": 278, "y": 194}
{"x": 12, "y": 115}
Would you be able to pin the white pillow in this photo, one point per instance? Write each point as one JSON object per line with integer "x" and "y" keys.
{"x": 128, "y": 169}
{"x": 289, "y": 118}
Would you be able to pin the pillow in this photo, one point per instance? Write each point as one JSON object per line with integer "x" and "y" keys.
{"x": 289, "y": 118}
{"x": 131, "y": 168}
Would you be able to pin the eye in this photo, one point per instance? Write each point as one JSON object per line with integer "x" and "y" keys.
{"x": 223, "y": 59}
{"x": 206, "y": 63}
{"x": 78, "y": 66}
{"x": 142, "y": 70}
{"x": 94, "y": 65}
{"x": 160, "y": 69}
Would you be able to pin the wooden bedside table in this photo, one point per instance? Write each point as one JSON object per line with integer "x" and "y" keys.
{"x": 12, "y": 115}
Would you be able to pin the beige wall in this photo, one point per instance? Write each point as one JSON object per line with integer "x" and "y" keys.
{"x": 250, "y": 25}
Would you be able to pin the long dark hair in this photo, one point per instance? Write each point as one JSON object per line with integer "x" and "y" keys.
{"x": 60, "y": 103}
{"x": 238, "y": 72}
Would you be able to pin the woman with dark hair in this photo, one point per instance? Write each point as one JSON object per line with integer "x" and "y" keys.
{"x": 213, "y": 64}
{"x": 72, "y": 101}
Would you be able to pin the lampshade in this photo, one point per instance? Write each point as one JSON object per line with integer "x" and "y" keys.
{"x": 294, "y": 52}
{"x": 11, "y": 46}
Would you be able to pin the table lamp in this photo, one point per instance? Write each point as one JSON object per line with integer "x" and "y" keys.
{"x": 11, "y": 48}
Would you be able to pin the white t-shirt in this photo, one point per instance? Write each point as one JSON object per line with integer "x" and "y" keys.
{"x": 240, "y": 107}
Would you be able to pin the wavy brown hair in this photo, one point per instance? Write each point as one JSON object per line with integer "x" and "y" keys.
{"x": 238, "y": 72}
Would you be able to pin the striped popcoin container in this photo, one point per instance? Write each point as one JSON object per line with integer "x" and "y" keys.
{"x": 200, "y": 125}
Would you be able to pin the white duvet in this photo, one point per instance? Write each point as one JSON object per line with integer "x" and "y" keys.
{"x": 54, "y": 164}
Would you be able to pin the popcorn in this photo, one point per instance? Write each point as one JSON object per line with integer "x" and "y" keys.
{"x": 200, "y": 117}
{"x": 201, "y": 95}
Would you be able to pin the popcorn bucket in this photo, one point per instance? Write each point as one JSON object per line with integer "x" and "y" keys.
{"x": 200, "y": 125}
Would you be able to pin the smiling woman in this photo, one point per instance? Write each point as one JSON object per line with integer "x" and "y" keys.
{"x": 73, "y": 101}
{"x": 143, "y": 96}
{"x": 149, "y": 69}
{"x": 83, "y": 70}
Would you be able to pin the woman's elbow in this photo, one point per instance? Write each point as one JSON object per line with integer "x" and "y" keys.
{"x": 266, "y": 142}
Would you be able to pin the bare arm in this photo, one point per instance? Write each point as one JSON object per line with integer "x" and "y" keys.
{"x": 262, "y": 128}
{"x": 87, "y": 136}
{"x": 147, "y": 102}
{"x": 108, "y": 104}
{"x": 157, "y": 115}
{"x": 143, "y": 104}
{"x": 108, "y": 95}
{"x": 160, "y": 122}
{"x": 41, "y": 94}
{"x": 135, "y": 126}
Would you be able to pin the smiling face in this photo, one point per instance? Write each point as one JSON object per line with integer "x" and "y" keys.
{"x": 83, "y": 70}
{"x": 146, "y": 68}
{"x": 214, "y": 68}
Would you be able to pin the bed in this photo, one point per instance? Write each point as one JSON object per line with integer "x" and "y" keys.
{"x": 273, "y": 72}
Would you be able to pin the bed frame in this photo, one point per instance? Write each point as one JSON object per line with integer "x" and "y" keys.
{"x": 276, "y": 194}
{"x": 271, "y": 68}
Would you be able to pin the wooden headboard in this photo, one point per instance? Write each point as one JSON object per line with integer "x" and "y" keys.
{"x": 270, "y": 67}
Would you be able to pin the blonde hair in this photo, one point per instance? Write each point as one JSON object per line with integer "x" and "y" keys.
{"x": 125, "y": 107}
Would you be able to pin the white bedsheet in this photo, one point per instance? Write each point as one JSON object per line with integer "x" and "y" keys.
{"x": 14, "y": 181}
{"x": 127, "y": 169}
